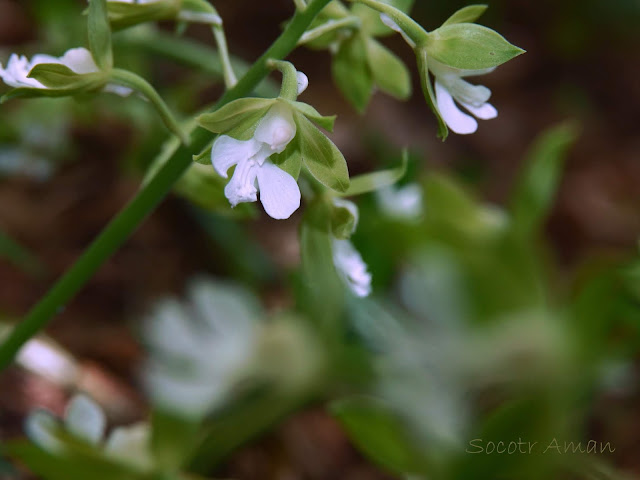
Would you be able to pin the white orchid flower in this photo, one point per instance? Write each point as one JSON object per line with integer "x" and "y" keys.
{"x": 85, "y": 420}
{"x": 279, "y": 191}
{"x": 451, "y": 88}
{"x": 347, "y": 260}
{"x": 78, "y": 60}
{"x": 404, "y": 203}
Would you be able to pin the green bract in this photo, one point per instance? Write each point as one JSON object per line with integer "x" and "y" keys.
{"x": 125, "y": 14}
{"x": 469, "y": 46}
{"x": 310, "y": 147}
{"x": 100, "y": 34}
{"x": 360, "y": 62}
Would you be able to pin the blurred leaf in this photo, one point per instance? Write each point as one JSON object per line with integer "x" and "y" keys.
{"x": 343, "y": 222}
{"x": 389, "y": 72}
{"x": 323, "y": 159}
{"x": 468, "y": 14}
{"x": 324, "y": 292}
{"x": 19, "y": 256}
{"x": 535, "y": 190}
{"x": 370, "y": 182}
{"x": 351, "y": 72}
{"x": 126, "y": 14}
{"x": 100, "y": 34}
{"x": 378, "y": 433}
{"x": 173, "y": 440}
{"x": 469, "y": 46}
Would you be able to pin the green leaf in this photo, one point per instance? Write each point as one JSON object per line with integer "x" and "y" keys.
{"x": 378, "y": 433}
{"x": 468, "y": 14}
{"x": 351, "y": 72}
{"x": 323, "y": 159}
{"x": 237, "y": 119}
{"x": 469, "y": 46}
{"x": 389, "y": 72}
{"x": 371, "y": 23}
{"x": 204, "y": 157}
{"x": 429, "y": 94}
{"x": 536, "y": 188}
{"x": 173, "y": 440}
{"x": 61, "y": 77}
{"x": 313, "y": 115}
{"x": 123, "y": 15}
{"x": 100, "y": 34}
{"x": 369, "y": 182}
{"x": 324, "y": 292}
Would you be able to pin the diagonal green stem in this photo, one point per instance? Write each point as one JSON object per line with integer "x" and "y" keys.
{"x": 409, "y": 26}
{"x": 121, "y": 227}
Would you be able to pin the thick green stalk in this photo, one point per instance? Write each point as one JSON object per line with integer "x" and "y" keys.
{"x": 150, "y": 195}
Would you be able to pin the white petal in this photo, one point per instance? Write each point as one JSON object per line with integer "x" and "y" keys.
{"x": 241, "y": 188}
{"x": 458, "y": 122}
{"x": 351, "y": 267}
{"x": 15, "y": 75}
{"x": 85, "y": 419}
{"x": 303, "y": 82}
{"x": 79, "y": 60}
{"x": 39, "y": 58}
{"x": 465, "y": 92}
{"x": 41, "y": 427}
{"x": 279, "y": 191}
{"x": 227, "y": 151}
{"x": 117, "y": 89}
{"x": 484, "y": 112}
{"x": 276, "y": 128}
{"x": 130, "y": 445}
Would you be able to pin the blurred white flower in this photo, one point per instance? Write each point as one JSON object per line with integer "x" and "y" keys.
{"x": 199, "y": 349}
{"x": 86, "y": 421}
{"x": 279, "y": 191}
{"x": 347, "y": 260}
{"x": 451, "y": 88}
{"x": 401, "y": 202}
{"x": 78, "y": 60}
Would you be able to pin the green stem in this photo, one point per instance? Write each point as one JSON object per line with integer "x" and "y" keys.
{"x": 408, "y": 25}
{"x": 221, "y": 40}
{"x": 348, "y": 22}
{"x": 300, "y": 4}
{"x": 121, "y": 227}
{"x": 131, "y": 80}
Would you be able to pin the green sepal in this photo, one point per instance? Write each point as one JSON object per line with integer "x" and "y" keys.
{"x": 204, "y": 157}
{"x": 371, "y": 23}
{"x": 237, "y": 119}
{"x": 312, "y": 114}
{"x": 429, "y": 94}
{"x": 351, "y": 73}
{"x": 468, "y": 14}
{"x": 321, "y": 157}
{"x": 100, "y": 34}
{"x": 123, "y": 15}
{"x": 468, "y": 46}
{"x": 389, "y": 73}
{"x": 379, "y": 433}
{"x": 290, "y": 160}
{"x": 370, "y": 182}
{"x": 343, "y": 222}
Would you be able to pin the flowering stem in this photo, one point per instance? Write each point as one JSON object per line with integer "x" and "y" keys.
{"x": 131, "y": 80}
{"x": 348, "y": 22}
{"x": 230, "y": 79}
{"x": 289, "y": 89}
{"x": 149, "y": 196}
{"x": 408, "y": 25}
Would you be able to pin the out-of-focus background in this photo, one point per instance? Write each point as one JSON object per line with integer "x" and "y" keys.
{"x": 66, "y": 173}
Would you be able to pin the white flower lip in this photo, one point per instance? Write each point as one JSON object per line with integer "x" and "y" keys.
{"x": 451, "y": 88}
{"x": 279, "y": 191}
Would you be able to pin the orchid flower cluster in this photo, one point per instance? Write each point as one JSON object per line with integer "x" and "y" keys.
{"x": 204, "y": 352}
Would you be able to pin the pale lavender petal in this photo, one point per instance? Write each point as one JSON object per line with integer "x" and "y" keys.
{"x": 458, "y": 121}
